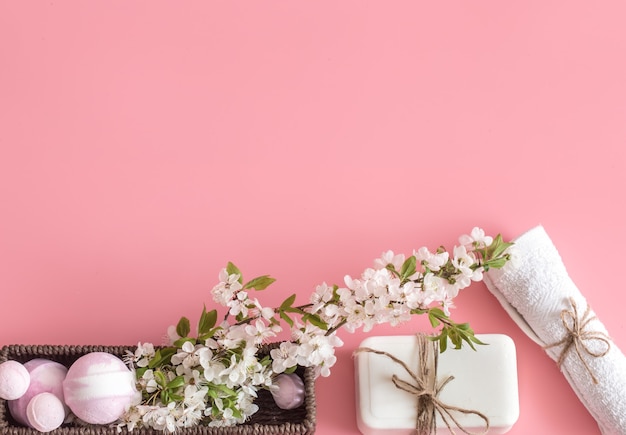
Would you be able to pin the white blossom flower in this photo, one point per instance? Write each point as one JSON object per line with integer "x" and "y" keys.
{"x": 172, "y": 335}
{"x": 318, "y": 351}
{"x": 398, "y": 314}
{"x": 142, "y": 355}
{"x": 433, "y": 260}
{"x": 130, "y": 420}
{"x": 193, "y": 376}
{"x": 388, "y": 258}
{"x": 212, "y": 370}
{"x": 148, "y": 382}
{"x": 476, "y": 238}
{"x": 322, "y": 295}
{"x": 410, "y": 296}
{"x": 355, "y": 315}
{"x": 255, "y": 309}
{"x": 227, "y": 288}
{"x": 260, "y": 332}
{"x": 187, "y": 356}
{"x": 239, "y": 305}
{"x": 451, "y": 290}
{"x": 234, "y": 336}
{"x": 462, "y": 260}
{"x": 161, "y": 418}
{"x": 284, "y": 356}
{"x": 446, "y": 304}
{"x": 247, "y": 406}
{"x": 433, "y": 289}
{"x": 190, "y": 417}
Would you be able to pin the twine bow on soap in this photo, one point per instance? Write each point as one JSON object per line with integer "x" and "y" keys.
{"x": 425, "y": 388}
{"x": 578, "y": 337}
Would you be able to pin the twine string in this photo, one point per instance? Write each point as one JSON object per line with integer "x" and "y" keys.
{"x": 578, "y": 337}
{"x": 424, "y": 387}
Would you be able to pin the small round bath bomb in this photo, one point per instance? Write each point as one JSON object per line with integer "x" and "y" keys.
{"x": 45, "y": 412}
{"x": 14, "y": 380}
{"x": 45, "y": 377}
{"x": 99, "y": 388}
{"x": 290, "y": 393}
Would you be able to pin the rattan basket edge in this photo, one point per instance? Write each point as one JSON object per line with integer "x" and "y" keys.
{"x": 269, "y": 420}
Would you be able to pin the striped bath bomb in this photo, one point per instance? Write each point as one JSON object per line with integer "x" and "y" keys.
{"x": 99, "y": 388}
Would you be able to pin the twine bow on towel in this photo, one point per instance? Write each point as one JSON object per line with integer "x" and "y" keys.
{"x": 578, "y": 337}
{"x": 424, "y": 386}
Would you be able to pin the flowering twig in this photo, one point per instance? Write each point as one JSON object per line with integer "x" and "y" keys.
{"x": 213, "y": 376}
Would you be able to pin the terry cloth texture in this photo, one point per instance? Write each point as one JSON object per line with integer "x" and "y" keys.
{"x": 537, "y": 292}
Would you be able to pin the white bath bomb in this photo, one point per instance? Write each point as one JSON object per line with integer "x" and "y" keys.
{"x": 45, "y": 377}
{"x": 99, "y": 388}
{"x": 14, "y": 380}
{"x": 45, "y": 412}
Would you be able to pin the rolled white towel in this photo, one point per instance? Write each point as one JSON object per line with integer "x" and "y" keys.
{"x": 537, "y": 292}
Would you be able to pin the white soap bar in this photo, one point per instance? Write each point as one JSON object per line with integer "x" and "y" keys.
{"x": 485, "y": 380}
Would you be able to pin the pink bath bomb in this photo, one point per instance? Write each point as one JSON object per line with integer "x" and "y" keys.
{"x": 14, "y": 380}
{"x": 290, "y": 393}
{"x": 45, "y": 377}
{"x": 45, "y": 412}
{"x": 99, "y": 388}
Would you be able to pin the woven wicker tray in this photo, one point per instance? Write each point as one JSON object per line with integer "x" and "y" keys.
{"x": 269, "y": 420}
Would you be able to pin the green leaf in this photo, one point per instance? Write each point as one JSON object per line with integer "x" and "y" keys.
{"x": 477, "y": 341}
{"x": 273, "y": 321}
{"x": 139, "y": 371}
{"x": 286, "y": 318}
{"x": 419, "y": 311}
{"x": 408, "y": 267}
{"x": 160, "y": 379}
{"x": 290, "y": 370}
{"x": 183, "y": 328}
{"x": 175, "y": 397}
{"x": 336, "y": 296}
{"x": 468, "y": 340}
{"x": 231, "y": 269}
{"x": 433, "y": 320}
{"x": 161, "y": 357}
{"x": 156, "y": 359}
{"x": 210, "y": 334}
{"x": 443, "y": 341}
{"x": 175, "y": 383}
{"x": 224, "y": 389}
{"x": 179, "y": 343}
{"x": 265, "y": 361}
{"x": 437, "y": 312}
{"x": 207, "y": 321}
{"x": 315, "y": 320}
{"x": 288, "y": 302}
{"x": 464, "y": 336}
{"x": 295, "y": 310}
{"x": 260, "y": 283}
{"x": 391, "y": 268}
{"x": 236, "y": 412}
{"x": 464, "y": 326}
{"x": 497, "y": 247}
{"x": 497, "y": 263}
{"x": 471, "y": 339}
{"x": 455, "y": 338}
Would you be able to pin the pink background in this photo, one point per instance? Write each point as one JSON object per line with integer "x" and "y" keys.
{"x": 144, "y": 144}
